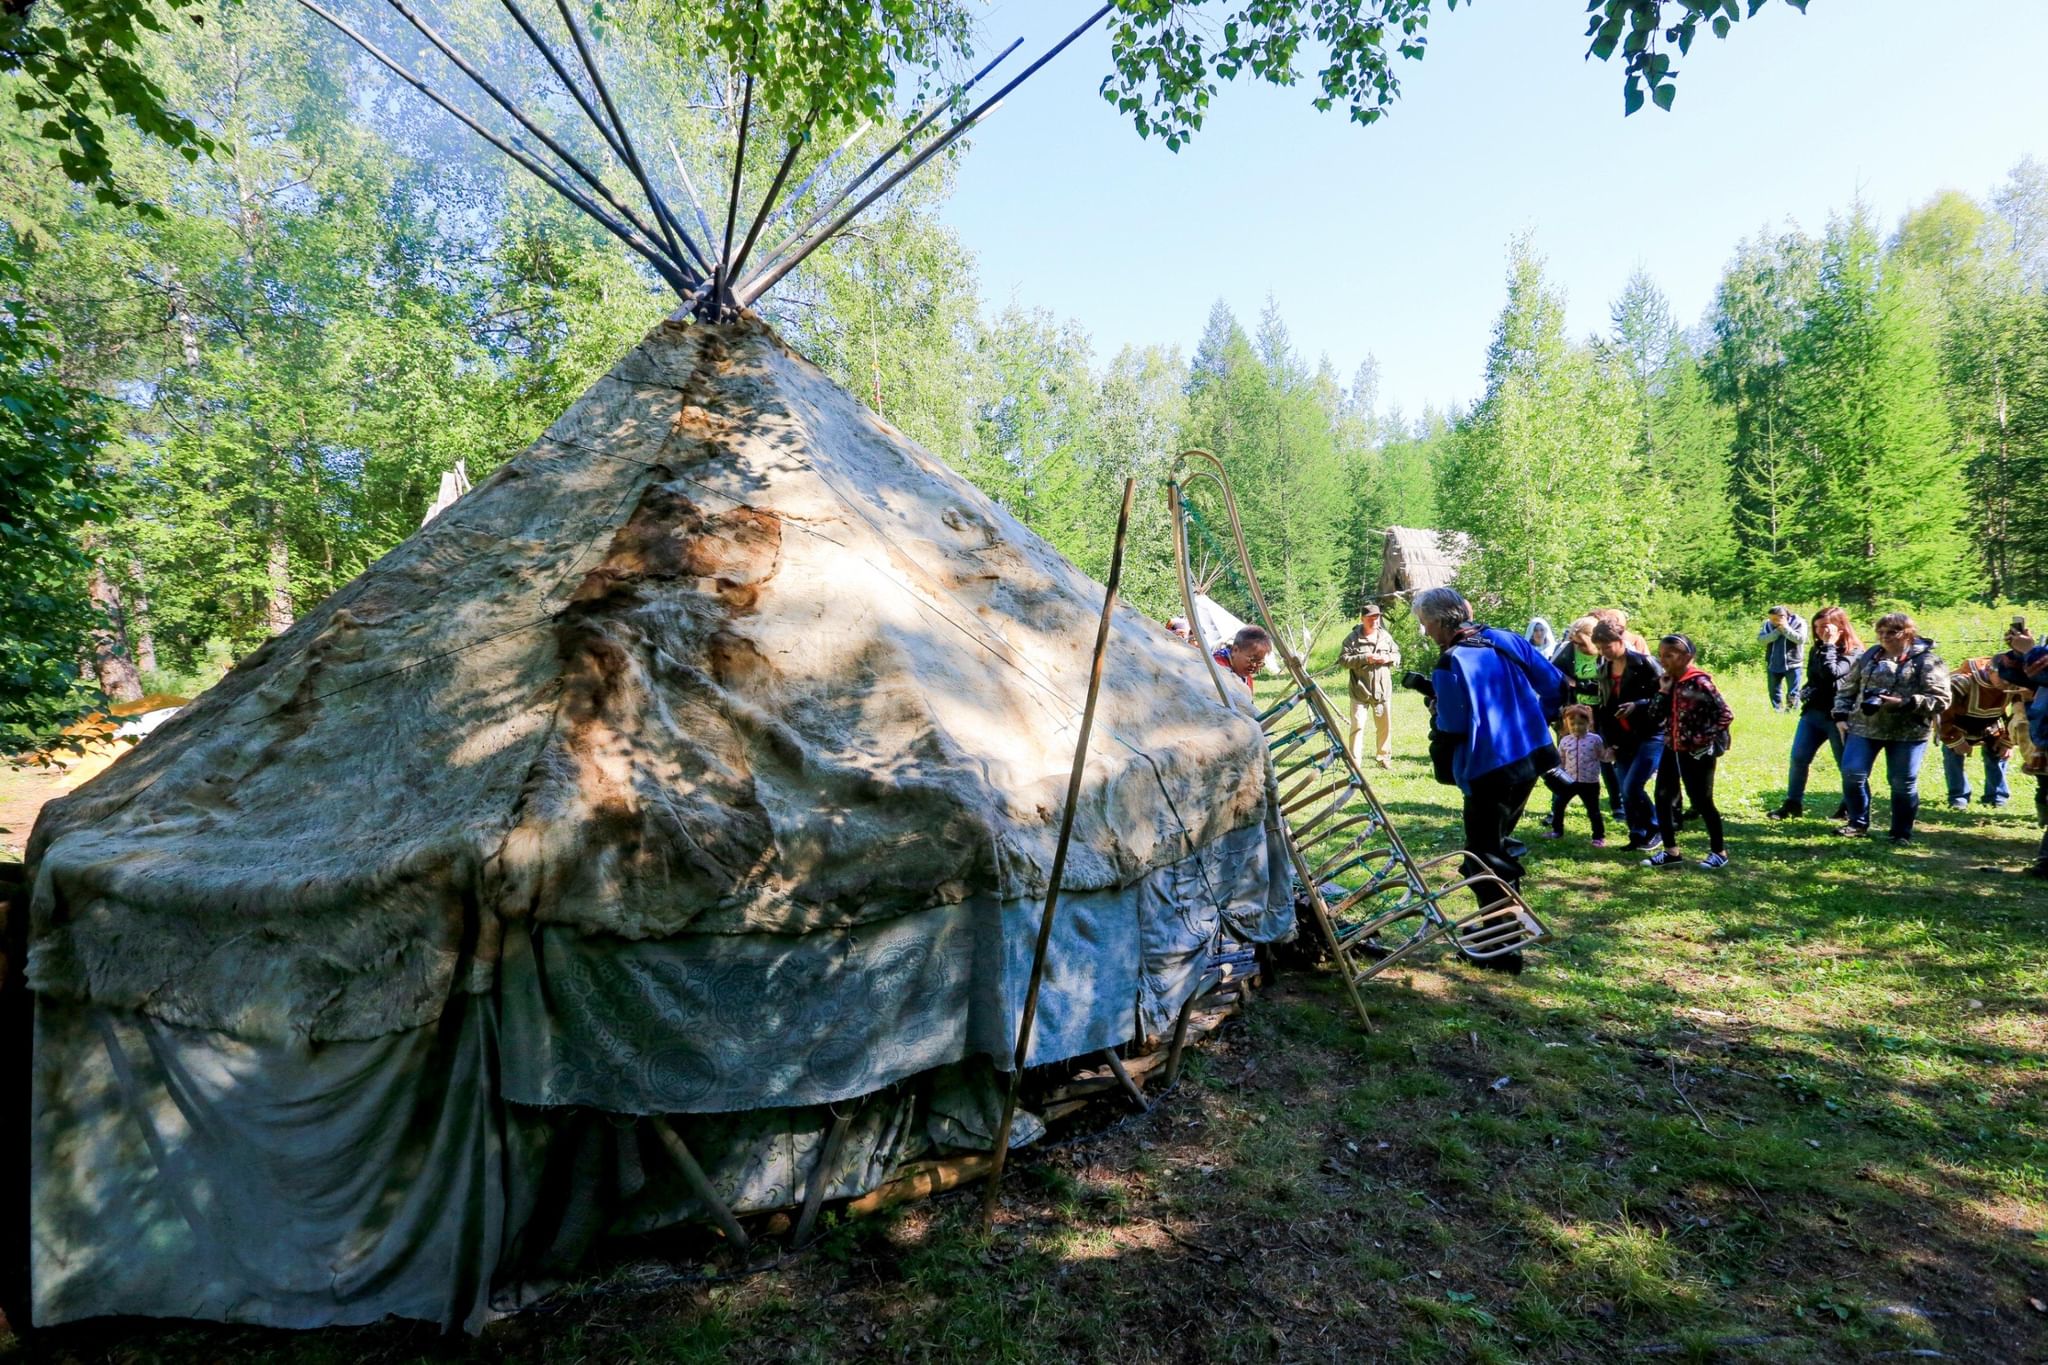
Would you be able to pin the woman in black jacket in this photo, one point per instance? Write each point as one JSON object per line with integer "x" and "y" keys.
{"x": 1834, "y": 650}
{"x": 1629, "y": 682}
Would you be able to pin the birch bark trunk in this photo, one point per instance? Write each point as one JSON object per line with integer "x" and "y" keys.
{"x": 112, "y": 667}
{"x": 141, "y": 638}
{"x": 278, "y": 607}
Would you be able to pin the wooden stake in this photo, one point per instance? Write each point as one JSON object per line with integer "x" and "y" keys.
{"x": 1059, "y": 862}
{"x": 700, "y": 1184}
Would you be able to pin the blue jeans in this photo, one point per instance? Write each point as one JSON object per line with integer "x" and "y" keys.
{"x": 1956, "y": 767}
{"x": 1902, "y": 772}
{"x": 1787, "y": 680}
{"x": 1637, "y": 770}
{"x": 1815, "y": 729}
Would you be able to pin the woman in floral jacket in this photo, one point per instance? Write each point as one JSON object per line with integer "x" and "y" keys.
{"x": 1693, "y": 718}
{"x": 1888, "y": 705}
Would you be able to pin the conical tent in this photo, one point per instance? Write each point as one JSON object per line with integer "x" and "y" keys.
{"x": 658, "y": 834}
{"x": 697, "y": 771}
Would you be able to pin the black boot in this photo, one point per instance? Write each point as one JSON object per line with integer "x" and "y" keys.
{"x": 1790, "y": 810}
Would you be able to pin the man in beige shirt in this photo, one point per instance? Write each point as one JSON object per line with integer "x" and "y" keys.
{"x": 1372, "y": 656}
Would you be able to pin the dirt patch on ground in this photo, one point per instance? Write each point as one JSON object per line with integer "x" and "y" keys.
{"x": 23, "y": 791}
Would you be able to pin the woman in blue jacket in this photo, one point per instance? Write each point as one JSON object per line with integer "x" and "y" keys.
{"x": 1495, "y": 698}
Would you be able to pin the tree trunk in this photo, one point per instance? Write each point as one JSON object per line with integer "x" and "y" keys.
{"x": 278, "y": 608}
{"x": 136, "y": 619}
{"x": 112, "y": 667}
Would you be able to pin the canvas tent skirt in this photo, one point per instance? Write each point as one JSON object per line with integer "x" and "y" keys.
{"x": 457, "y": 1168}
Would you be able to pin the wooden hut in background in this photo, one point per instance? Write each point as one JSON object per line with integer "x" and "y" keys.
{"x": 1415, "y": 559}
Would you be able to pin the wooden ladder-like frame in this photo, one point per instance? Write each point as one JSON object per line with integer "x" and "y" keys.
{"x": 1313, "y": 789}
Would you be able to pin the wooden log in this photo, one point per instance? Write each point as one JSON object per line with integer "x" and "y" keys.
{"x": 923, "y": 1180}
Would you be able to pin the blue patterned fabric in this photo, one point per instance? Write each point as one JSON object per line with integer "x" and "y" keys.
{"x": 716, "y": 1023}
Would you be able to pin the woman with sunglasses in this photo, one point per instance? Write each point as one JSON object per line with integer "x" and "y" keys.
{"x": 1888, "y": 705}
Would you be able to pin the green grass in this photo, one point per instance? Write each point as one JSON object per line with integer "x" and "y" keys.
{"x": 1793, "y": 1111}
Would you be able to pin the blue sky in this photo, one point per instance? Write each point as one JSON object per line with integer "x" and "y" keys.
{"x": 1391, "y": 240}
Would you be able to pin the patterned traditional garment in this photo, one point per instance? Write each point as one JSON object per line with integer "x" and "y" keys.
{"x": 1978, "y": 710}
{"x": 1693, "y": 714}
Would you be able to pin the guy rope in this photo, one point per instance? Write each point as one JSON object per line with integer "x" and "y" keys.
{"x": 1366, "y": 893}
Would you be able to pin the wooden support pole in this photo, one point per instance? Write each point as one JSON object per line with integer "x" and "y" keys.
{"x": 937, "y": 107}
{"x": 1180, "y": 1040}
{"x": 661, "y": 260}
{"x": 1059, "y": 862}
{"x": 796, "y": 145}
{"x": 588, "y": 176}
{"x": 722, "y": 275}
{"x": 670, "y": 227}
{"x": 547, "y": 51}
{"x": 1123, "y": 1078}
{"x": 700, "y": 1184}
{"x": 821, "y": 1176}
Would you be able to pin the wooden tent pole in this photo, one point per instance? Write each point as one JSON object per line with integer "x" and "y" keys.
{"x": 722, "y": 277}
{"x": 796, "y": 144}
{"x": 821, "y": 1176}
{"x": 547, "y": 51}
{"x": 567, "y": 158}
{"x": 824, "y": 167}
{"x": 924, "y": 121}
{"x": 677, "y": 279}
{"x": 670, "y": 227}
{"x": 1059, "y": 863}
{"x": 767, "y": 280}
{"x": 699, "y": 1183}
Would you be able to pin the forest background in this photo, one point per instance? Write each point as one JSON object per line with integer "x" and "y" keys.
{"x": 267, "y": 375}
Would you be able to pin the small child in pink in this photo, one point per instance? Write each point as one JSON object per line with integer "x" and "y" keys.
{"x": 1577, "y": 775}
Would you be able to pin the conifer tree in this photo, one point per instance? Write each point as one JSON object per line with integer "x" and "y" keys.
{"x": 1543, "y": 474}
{"x": 1682, "y": 439}
{"x": 1889, "y": 494}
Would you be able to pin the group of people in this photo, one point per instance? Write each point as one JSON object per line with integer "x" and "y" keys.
{"x": 1602, "y": 710}
{"x": 1650, "y": 730}
{"x": 1891, "y": 700}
